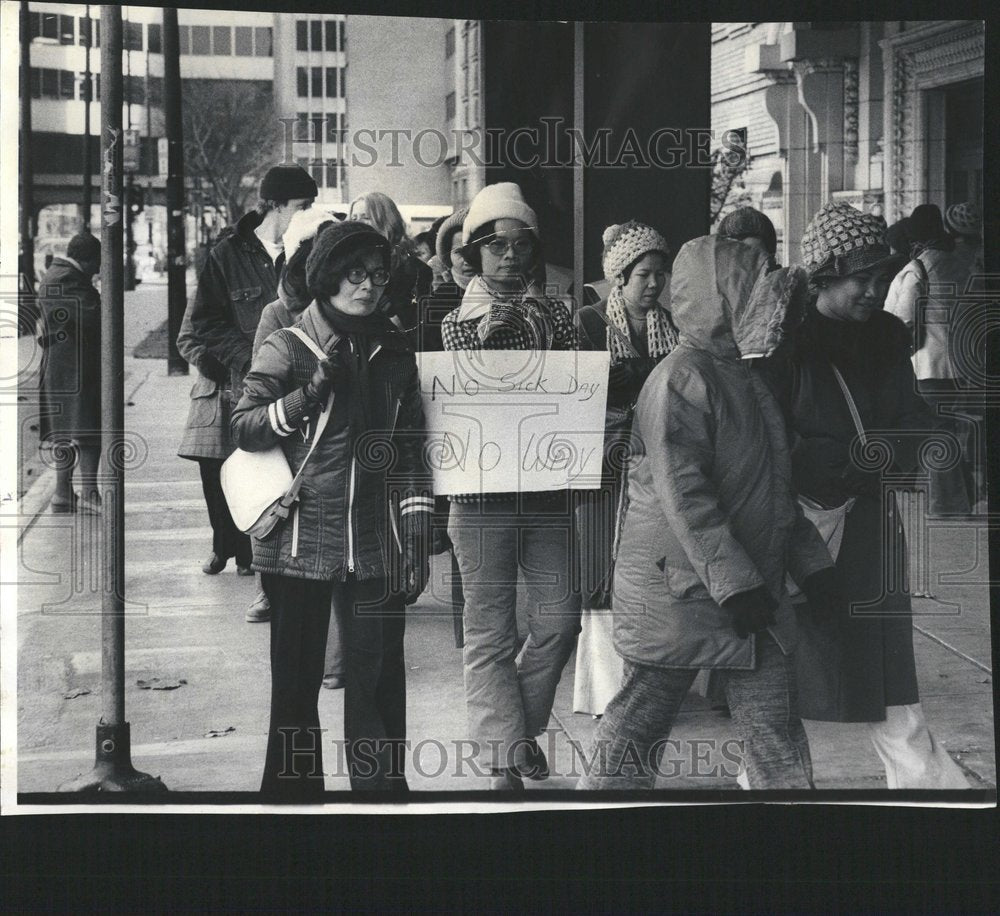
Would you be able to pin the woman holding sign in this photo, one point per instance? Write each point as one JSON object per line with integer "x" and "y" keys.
{"x": 638, "y": 332}
{"x": 497, "y": 537}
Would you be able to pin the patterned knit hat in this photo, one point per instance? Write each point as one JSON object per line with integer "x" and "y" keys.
{"x": 624, "y": 244}
{"x": 745, "y": 223}
{"x": 841, "y": 240}
{"x": 964, "y": 219}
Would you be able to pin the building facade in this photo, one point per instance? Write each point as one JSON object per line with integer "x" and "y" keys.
{"x": 883, "y": 115}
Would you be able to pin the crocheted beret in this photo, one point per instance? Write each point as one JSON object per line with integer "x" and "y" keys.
{"x": 841, "y": 240}
{"x": 626, "y": 243}
{"x": 964, "y": 218}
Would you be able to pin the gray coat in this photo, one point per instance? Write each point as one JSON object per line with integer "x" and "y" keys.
{"x": 711, "y": 510}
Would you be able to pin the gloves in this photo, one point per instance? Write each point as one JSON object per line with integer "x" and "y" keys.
{"x": 330, "y": 374}
{"x": 214, "y": 370}
{"x": 416, "y": 567}
{"x": 752, "y": 611}
{"x": 824, "y": 593}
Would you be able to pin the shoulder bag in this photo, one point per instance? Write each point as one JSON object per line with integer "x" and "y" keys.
{"x": 259, "y": 486}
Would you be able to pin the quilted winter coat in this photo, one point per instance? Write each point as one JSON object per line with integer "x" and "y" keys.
{"x": 711, "y": 510}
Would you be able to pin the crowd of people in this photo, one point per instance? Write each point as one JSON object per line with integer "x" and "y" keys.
{"x": 737, "y": 529}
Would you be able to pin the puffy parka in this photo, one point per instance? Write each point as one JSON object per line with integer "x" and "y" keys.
{"x": 711, "y": 511}
{"x": 342, "y": 524}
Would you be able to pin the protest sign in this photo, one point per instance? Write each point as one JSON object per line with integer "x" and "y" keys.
{"x": 509, "y": 421}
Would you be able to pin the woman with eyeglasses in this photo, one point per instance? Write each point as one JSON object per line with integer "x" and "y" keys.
{"x": 500, "y": 537}
{"x": 410, "y": 278}
{"x": 346, "y": 539}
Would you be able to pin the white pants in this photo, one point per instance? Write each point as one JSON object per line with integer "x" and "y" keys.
{"x": 909, "y": 753}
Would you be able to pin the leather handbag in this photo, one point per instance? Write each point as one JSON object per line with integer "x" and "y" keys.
{"x": 259, "y": 486}
{"x": 830, "y": 523}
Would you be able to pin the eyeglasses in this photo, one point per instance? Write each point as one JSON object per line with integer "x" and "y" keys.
{"x": 499, "y": 245}
{"x": 358, "y": 275}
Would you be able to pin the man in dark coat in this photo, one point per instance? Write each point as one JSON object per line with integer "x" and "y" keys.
{"x": 71, "y": 376}
{"x": 239, "y": 278}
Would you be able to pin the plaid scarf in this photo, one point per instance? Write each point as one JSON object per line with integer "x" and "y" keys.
{"x": 661, "y": 337}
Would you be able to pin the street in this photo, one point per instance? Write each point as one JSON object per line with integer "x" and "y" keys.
{"x": 208, "y": 732}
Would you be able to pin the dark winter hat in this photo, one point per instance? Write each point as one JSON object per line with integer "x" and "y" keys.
{"x": 925, "y": 223}
{"x": 746, "y": 223}
{"x": 898, "y": 236}
{"x": 287, "y": 182}
{"x": 841, "y": 240}
{"x": 84, "y": 247}
{"x": 334, "y": 244}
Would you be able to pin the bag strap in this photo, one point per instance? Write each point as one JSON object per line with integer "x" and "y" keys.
{"x": 851, "y": 406}
{"x": 293, "y": 490}
{"x": 616, "y": 331}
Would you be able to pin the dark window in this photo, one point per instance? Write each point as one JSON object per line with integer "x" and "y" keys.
{"x": 97, "y": 33}
{"x": 315, "y": 35}
{"x": 302, "y": 35}
{"x": 67, "y": 84}
{"x": 316, "y": 90}
{"x": 244, "y": 41}
{"x": 330, "y": 30}
{"x": 50, "y": 83}
{"x": 331, "y": 82}
{"x": 342, "y": 26}
{"x": 97, "y": 87}
{"x": 156, "y": 90}
{"x": 83, "y": 87}
{"x": 67, "y": 30}
{"x": 132, "y": 36}
{"x": 222, "y": 40}
{"x": 302, "y": 81}
{"x": 35, "y": 25}
{"x": 331, "y": 174}
{"x": 449, "y": 42}
{"x": 316, "y": 170}
{"x": 200, "y": 43}
{"x": 184, "y": 32}
{"x": 332, "y": 133}
{"x": 50, "y": 25}
{"x": 154, "y": 38}
{"x": 343, "y": 82}
{"x": 301, "y": 133}
{"x": 262, "y": 42}
{"x": 135, "y": 90}
{"x": 449, "y": 106}
{"x": 36, "y": 83}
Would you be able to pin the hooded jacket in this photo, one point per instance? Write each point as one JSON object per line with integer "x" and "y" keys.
{"x": 341, "y": 524}
{"x": 711, "y": 511}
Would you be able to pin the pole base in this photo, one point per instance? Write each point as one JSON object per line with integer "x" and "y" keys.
{"x": 113, "y": 770}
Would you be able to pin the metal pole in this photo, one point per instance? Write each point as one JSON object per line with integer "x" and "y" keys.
{"x": 174, "y": 129}
{"x": 113, "y": 770}
{"x": 27, "y": 228}
{"x": 129, "y": 241}
{"x": 578, "y": 208}
{"x": 149, "y": 154}
{"x": 88, "y": 167}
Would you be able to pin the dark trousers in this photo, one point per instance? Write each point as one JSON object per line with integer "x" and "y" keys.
{"x": 375, "y": 690}
{"x": 227, "y": 540}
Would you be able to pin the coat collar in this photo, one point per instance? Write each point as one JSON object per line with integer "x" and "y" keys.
{"x": 319, "y": 329}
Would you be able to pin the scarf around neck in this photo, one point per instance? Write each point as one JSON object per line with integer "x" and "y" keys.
{"x": 661, "y": 337}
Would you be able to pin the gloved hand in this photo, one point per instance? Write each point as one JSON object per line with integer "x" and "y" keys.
{"x": 330, "y": 374}
{"x": 416, "y": 566}
{"x": 824, "y": 593}
{"x": 752, "y": 611}
{"x": 213, "y": 369}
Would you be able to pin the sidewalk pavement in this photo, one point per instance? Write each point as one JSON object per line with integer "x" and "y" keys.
{"x": 209, "y": 733}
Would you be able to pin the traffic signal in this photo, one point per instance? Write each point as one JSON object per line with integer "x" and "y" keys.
{"x": 136, "y": 196}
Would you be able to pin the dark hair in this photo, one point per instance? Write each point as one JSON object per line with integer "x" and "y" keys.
{"x": 472, "y": 254}
{"x": 449, "y": 239}
{"x": 627, "y": 272}
{"x": 425, "y": 238}
{"x": 331, "y": 273}
{"x": 293, "y": 274}
{"x": 84, "y": 247}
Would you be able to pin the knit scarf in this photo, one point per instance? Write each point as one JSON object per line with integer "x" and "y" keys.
{"x": 360, "y": 330}
{"x": 661, "y": 337}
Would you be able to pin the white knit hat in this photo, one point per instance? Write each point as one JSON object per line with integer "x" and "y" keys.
{"x": 628, "y": 242}
{"x": 303, "y": 225}
{"x": 497, "y": 201}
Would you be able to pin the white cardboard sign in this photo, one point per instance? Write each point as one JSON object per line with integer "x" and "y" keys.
{"x": 509, "y": 421}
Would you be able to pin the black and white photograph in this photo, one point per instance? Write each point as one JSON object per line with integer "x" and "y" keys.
{"x": 493, "y": 413}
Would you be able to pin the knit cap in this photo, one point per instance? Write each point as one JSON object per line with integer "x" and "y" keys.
{"x": 626, "y": 243}
{"x": 964, "y": 218}
{"x": 925, "y": 224}
{"x": 503, "y": 200}
{"x": 303, "y": 225}
{"x": 746, "y": 223}
{"x": 841, "y": 240}
{"x": 446, "y": 228}
{"x": 287, "y": 182}
{"x": 84, "y": 247}
{"x": 334, "y": 242}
